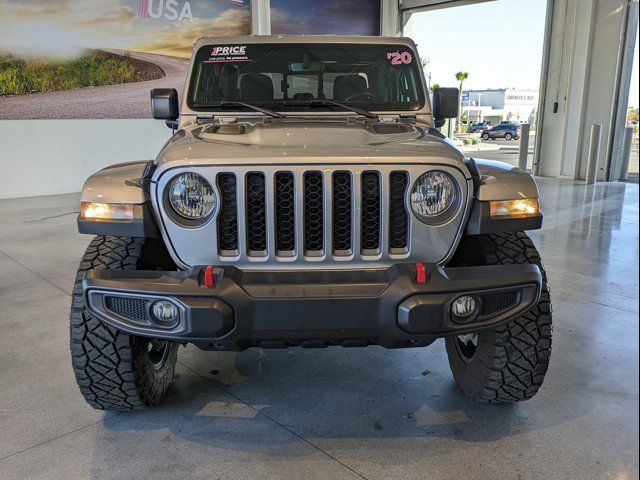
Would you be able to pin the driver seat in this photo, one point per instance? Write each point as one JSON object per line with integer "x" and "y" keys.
{"x": 345, "y": 86}
{"x": 256, "y": 87}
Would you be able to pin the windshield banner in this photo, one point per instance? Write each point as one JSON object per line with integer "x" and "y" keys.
{"x": 230, "y": 53}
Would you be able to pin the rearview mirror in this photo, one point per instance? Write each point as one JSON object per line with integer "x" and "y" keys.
{"x": 445, "y": 104}
{"x": 164, "y": 104}
{"x": 312, "y": 67}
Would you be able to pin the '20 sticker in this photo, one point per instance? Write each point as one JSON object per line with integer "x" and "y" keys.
{"x": 399, "y": 58}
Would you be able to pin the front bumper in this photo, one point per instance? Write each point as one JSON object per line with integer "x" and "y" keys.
{"x": 312, "y": 308}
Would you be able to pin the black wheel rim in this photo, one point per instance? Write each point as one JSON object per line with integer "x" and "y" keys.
{"x": 158, "y": 351}
{"x": 466, "y": 346}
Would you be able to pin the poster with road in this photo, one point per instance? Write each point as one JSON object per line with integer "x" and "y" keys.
{"x": 90, "y": 59}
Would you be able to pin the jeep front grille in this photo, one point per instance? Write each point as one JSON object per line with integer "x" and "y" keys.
{"x": 306, "y": 224}
{"x": 313, "y": 213}
{"x": 337, "y": 216}
{"x": 285, "y": 214}
{"x": 370, "y": 211}
{"x": 228, "y": 217}
{"x": 256, "y": 214}
{"x": 398, "y": 215}
{"x": 342, "y": 200}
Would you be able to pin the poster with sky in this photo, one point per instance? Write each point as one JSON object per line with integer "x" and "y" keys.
{"x": 100, "y": 58}
{"x": 320, "y": 17}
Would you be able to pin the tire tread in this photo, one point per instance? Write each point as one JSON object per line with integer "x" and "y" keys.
{"x": 521, "y": 348}
{"x": 106, "y": 362}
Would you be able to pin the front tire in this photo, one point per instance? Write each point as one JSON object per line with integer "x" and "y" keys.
{"x": 507, "y": 364}
{"x": 114, "y": 370}
{"x": 485, "y": 136}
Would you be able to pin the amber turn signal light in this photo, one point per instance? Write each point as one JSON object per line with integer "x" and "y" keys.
{"x": 523, "y": 207}
{"x": 106, "y": 211}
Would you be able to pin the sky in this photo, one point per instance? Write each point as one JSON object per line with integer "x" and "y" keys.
{"x": 498, "y": 43}
{"x": 360, "y": 17}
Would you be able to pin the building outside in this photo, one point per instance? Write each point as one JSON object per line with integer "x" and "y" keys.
{"x": 496, "y": 105}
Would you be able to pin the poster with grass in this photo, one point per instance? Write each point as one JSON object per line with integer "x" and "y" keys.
{"x": 83, "y": 59}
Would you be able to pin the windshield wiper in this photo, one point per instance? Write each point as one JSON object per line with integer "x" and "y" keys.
{"x": 234, "y": 103}
{"x": 326, "y": 103}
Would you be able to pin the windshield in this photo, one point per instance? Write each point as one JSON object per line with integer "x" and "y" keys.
{"x": 293, "y": 77}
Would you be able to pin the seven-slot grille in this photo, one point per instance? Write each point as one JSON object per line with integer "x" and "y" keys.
{"x": 337, "y": 213}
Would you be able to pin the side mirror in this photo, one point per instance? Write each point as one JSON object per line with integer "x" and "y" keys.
{"x": 445, "y": 104}
{"x": 164, "y": 104}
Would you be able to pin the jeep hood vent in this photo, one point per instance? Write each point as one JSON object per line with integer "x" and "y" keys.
{"x": 391, "y": 128}
{"x": 232, "y": 129}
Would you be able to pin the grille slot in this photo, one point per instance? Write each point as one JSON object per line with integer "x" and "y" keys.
{"x": 228, "y": 217}
{"x": 342, "y": 213}
{"x": 398, "y": 215}
{"x": 313, "y": 213}
{"x": 496, "y": 302}
{"x": 285, "y": 214}
{"x": 133, "y": 308}
{"x": 256, "y": 215}
{"x": 370, "y": 217}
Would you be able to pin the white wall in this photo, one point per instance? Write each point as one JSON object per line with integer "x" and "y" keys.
{"x": 585, "y": 53}
{"x": 47, "y": 157}
{"x": 488, "y": 98}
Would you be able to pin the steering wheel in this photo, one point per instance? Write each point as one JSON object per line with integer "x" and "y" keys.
{"x": 363, "y": 96}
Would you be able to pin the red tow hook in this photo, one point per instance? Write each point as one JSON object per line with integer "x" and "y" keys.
{"x": 209, "y": 277}
{"x": 421, "y": 273}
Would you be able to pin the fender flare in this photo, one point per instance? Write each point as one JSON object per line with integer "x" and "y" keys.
{"x": 500, "y": 181}
{"x": 121, "y": 183}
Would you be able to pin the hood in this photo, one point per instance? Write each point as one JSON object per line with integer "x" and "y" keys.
{"x": 306, "y": 141}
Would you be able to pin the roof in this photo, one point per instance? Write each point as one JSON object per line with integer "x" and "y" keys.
{"x": 355, "y": 39}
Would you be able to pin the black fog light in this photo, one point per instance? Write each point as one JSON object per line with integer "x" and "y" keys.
{"x": 464, "y": 308}
{"x": 165, "y": 312}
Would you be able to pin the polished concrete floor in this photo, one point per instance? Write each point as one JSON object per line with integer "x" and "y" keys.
{"x": 334, "y": 413}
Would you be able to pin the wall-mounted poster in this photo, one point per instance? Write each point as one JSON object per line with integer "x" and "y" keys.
{"x": 100, "y": 58}
{"x": 320, "y": 17}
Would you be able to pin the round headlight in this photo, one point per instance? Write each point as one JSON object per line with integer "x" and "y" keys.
{"x": 433, "y": 194}
{"x": 191, "y": 196}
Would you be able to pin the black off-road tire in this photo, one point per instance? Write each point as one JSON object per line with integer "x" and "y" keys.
{"x": 510, "y": 362}
{"x": 114, "y": 370}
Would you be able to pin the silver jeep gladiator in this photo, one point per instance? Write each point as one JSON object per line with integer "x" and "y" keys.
{"x": 307, "y": 198}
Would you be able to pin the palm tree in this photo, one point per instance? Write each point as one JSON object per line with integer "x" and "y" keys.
{"x": 424, "y": 63}
{"x": 461, "y": 77}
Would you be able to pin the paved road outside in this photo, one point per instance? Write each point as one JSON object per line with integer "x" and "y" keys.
{"x": 509, "y": 151}
{"x": 128, "y": 100}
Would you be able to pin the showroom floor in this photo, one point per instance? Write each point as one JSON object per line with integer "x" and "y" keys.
{"x": 333, "y": 413}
